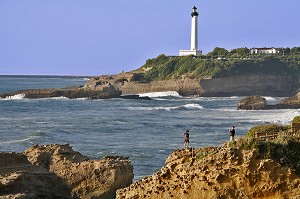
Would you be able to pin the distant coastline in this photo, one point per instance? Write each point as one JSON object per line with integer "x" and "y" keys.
{"x": 53, "y": 76}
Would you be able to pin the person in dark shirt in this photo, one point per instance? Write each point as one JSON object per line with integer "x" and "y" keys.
{"x": 232, "y": 133}
{"x": 186, "y": 138}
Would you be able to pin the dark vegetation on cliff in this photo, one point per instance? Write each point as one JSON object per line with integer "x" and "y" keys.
{"x": 221, "y": 63}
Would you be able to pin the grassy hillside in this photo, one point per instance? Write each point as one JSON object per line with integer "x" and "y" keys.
{"x": 169, "y": 67}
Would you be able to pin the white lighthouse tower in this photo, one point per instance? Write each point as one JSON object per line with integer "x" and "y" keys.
{"x": 194, "y": 36}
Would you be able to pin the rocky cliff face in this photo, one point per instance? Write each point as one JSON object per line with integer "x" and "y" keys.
{"x": 21, "y": 179}
{"x": 217, "y": 173}
{"x": 128, "y": 83}
{"x": 185, "y": 87}
{"x": 245, "y": 85}
{"x": 113, "y": 86}
{"x": 87, "y": 178}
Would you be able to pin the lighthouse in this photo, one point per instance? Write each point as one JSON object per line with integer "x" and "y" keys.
{"x": 194, "y": 36}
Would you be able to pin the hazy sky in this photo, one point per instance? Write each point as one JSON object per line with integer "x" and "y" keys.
{"x": 95, "y": 37}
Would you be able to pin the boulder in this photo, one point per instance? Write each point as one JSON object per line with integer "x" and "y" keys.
{"x": 252, "y": 103}
{"x": 87, "y": 178}
{"x": 21, "y": 179}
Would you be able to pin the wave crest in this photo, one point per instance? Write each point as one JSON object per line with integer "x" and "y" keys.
{"x": 168, "y": 108}
{"x": 16, "y": 97}
{"x": 33, "y": 136}
{"x": 161, "y": 94}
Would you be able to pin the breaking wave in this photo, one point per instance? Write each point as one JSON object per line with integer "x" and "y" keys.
{"x": 161, "y": 94}
{"x": 16, "y": 97}
{"x": 33, "y": 136}
{"x": 169, "y": 108}
{"x": 269, "y": 98}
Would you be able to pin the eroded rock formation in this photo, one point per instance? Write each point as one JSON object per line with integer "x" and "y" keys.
{"x": 87, "y": 178}
{"x": 21, "y": 179}
{"x": 216, "y": 173}
{"x": 241, "y": 85}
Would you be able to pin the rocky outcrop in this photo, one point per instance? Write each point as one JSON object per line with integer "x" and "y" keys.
{"x": 292, "y": 101}
{"x": 217, "y": 173}
{"x": 100, "y": 92}
{"x": 259, "y": 103}
{"x": 130, "y": 83}
{"x": 21, "y": 179}
{"x": 87, "y": 178}
{"x": 185, "y": 87}
{"x": 252, "y": 103}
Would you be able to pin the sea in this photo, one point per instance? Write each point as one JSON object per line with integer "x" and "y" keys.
{"x": 146, "y": 131}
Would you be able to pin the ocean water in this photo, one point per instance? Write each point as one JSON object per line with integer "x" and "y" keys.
{"x": 145, "y": 131}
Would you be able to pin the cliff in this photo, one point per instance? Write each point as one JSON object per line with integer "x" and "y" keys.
{"x": 57, "y": 171}
{"x": 212, "y": 172}
{"x": 243, "y": 85}
{"x": 128, "y": 83}
{"x": 185, "y": 87}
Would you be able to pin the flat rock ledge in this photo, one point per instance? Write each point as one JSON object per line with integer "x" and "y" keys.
{"x": 103, "y": 92}
{"x": 57, "y": 171}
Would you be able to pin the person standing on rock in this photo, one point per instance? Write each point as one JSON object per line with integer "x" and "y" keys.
{"x": 186, "y": 138}
{"x": 232, "y": 133}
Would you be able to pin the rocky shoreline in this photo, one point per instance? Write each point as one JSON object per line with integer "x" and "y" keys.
{"x": 56, "y": 171}
{"x": 246, "y": 169}
{"x": 131, "y": 84}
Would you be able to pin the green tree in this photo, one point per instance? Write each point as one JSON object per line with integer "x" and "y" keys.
{"x": 241, "y": 51}
{"x": 218, "y": 52}
{"x": 295, "y": 50}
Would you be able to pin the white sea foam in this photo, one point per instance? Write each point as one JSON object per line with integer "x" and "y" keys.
{"x": 31, "y": 137}
{"x": 269, "y": 98}
{"x": 15, "y": 141}
{"x": 16, "y": 97}
{"x": 193, "y": 106}
{"x": 168, "y": 108}
{"x": 58, "y": 98}
{"x": 161, "y": 94}
{"x": 86, "y": 79}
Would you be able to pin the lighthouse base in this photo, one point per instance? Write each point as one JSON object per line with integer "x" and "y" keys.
{"x": 190, "y": 52}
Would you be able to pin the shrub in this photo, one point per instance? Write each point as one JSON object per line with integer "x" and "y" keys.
{"x": 265, "y": 129}
{"x": 296, "y": 119}
{"x": 287, "y": 154}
